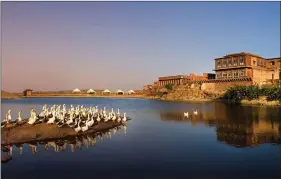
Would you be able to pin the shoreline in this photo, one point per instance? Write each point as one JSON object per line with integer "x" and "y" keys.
{"x": 195, "y": 100}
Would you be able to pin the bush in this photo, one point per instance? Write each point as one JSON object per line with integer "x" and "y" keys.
{"x": 169, "y": 86}
{"x": 252, "y": 92}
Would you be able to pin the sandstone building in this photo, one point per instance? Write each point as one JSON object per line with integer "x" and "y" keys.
{"x": 183, "y": 79}
{"x": 247, "y": 65}
{"x": 230, "y": 70}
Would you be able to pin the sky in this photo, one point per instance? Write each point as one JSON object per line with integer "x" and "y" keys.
{"x": 126, "y": 45}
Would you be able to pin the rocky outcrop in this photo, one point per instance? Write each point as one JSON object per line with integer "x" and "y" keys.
{"x": 186, "y": 92}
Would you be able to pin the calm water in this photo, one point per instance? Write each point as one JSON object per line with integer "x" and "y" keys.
{"x": 223, "y": 141}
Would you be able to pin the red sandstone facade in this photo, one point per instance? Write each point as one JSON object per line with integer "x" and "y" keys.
{"x": 241, "y": 65}
{"x": 183, "y": 79}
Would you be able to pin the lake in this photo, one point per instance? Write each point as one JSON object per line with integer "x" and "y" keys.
{"x": 222, "y": 141}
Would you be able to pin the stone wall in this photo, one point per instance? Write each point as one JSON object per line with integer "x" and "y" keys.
{"x": 190, "y": 92}
{"x": 222, "y": 86}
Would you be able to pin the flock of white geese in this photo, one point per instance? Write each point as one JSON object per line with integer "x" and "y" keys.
{"x": 80, "y": 118}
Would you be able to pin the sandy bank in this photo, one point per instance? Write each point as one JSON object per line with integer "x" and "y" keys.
{"x": 7, "y": 95}
{"x": 83, "y": 96}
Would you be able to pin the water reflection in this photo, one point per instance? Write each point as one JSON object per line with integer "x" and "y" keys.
{"x": 61, "y": 145}
{"x": 236, "y": 126}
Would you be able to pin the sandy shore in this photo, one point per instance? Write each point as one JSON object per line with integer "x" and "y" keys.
{"x": 85, "y": 96}
{"x": 196, "y": 100}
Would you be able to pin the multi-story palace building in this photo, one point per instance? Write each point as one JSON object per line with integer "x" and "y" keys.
{"x": 182, "y": 79}
{"x": 240, "y": 65}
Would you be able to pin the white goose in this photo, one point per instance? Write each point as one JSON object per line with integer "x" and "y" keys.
{"x": 52, "y": 119}
{"x": 85, "y": 128}
{"x": 114, "y": 117}
{"x": 78, "y": 128}
{"x": 124, "y": 118}
{"x": 185, "y": 114}
{"x": 9, "y": 115}
{"x": 195, "y": 112}
{"x": 91, "y": 121}
{"x": 98, "y": 118}
{"x": 70, "y": 119}
{"x": 19, "y": 116}
{"x": 106, "y": 118}
{"x": 32, "y": 118}
{"x": 118, "y": 118}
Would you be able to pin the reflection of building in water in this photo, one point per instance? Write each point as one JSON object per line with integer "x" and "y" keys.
{"x": 249, "y": 135}
{"x": 247, "y": 130}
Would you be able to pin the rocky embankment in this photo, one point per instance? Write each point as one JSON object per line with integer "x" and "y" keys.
{"x": 186, "y": 93}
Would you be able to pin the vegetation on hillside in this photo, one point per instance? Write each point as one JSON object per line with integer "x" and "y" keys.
{"x": 169, "y": 86}
{"x": 238, "y": 93}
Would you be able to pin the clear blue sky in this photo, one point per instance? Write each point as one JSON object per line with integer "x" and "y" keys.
{"x": 67, "y": 45}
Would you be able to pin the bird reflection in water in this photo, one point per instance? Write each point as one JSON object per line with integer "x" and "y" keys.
{"x": 8, "y": 150}
{"x": 77, "y": 142}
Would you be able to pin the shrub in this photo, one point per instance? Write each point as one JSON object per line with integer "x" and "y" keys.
{"x": 169, "y": 86}
{"x": 238, "y": 93}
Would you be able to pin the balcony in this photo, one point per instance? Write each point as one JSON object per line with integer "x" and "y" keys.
{"x": 231, "y": 67}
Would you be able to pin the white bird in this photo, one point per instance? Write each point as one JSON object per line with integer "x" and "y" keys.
{"x": 19, "y": 117}
{"x": 9, "y": 115}
{"x": 118, "y": 118}
{"x": 52, "y": 119}
{"x": 78, "y": 128}
{"x": 195, "y": 112}
{"x": 85, "y": 128}
{"x": 124, "y": 118}
{"x": 98, "y": 118}
{"x": 106, "y": 118}
{"x": 32, "y": 119}
{"x": 91, "y": 121}
{"x": 185, "y": 114}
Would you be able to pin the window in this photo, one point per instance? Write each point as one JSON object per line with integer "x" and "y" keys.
{"x": 254, "y": 63}
{"x": 272, "y": 62}
{"x": 224, "y": 75}
{"x": 235, "y": 61}
{"x": 242, "y": 73}
{"x": 242, "y": 61}
{"x": 224, "y": 63}
{"x": 229, "y": 62}
{"x": 218, "y": 63}
{"x": 229, "y": 74}
{"x": 235, "y": 74}
{"x": 218, "y": 75}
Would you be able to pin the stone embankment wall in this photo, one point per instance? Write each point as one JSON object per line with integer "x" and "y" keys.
{"x": 205, "y": 91}
{"x": 223, "y": 86}
{"x": 193, "y": 92}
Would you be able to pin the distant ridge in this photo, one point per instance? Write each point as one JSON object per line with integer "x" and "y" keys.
{"x": 7, "y": 95}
